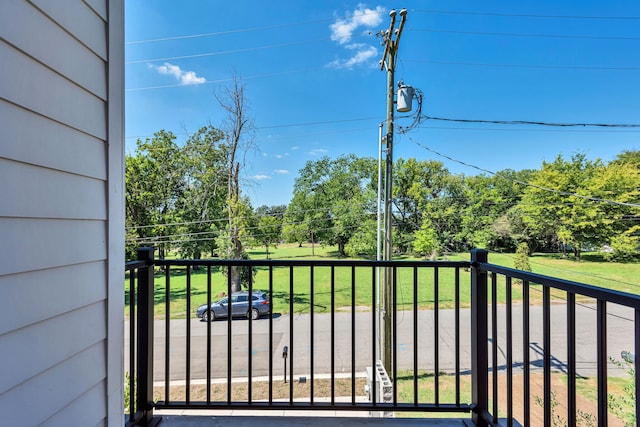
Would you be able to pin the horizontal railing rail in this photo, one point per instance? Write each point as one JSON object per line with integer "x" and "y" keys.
{"x": 462, "y": 333}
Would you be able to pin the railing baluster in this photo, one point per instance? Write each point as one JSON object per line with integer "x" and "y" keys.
{"x": 250, "y": 339}
{"x": 353, "y": 334}
{"x": 509, "y": 297}
{"x": 494, "y": 344}
{"x": 291, "y": 297}
{"x": 209, "y": 336}
{"x": 636, "y": 354}
{"x": 167, "y": 333}
{"x": 374, "y": 341}
{"x": 602, "y": 363}
{"x": 546, "y": 330}
{"x": 394, "y": 334}
{"x": 132, "y": 343}
{"x": 188, "y": 338}
{"x": 525, "y": 354}
{"x": 415, "y": 336}
{"x": 229, "y": 336}
{"x": 457, "y": 332}
{"x": 333, "y": 336}
{"x": 436, "y": 336}
{"x": 571, "y": 359}
{"x": 311, "y": 326}
{"x": 271, "y": 335}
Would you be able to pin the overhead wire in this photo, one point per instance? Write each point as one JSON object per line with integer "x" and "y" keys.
{"x": 532, "y": 35}
{"x": 551, "y": 190}
{"x": 430, "y": 11}
{"x": 531, "y": 15}
{"x": 559, "y": 67}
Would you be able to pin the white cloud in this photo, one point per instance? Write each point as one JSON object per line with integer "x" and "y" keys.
{"x": 281, "y": 171}
{"x": 261, "y": 177}
{"x": 318, "y": 152}
{"x": 363, "y": 54}
{"x": 295, "y": 148}
{"x": 342, "y": 30}
{"x": 184, "y": 77}
{"x": 278, "y": 156}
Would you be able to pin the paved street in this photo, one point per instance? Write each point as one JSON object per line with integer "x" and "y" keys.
{"x": 304, "y": 346}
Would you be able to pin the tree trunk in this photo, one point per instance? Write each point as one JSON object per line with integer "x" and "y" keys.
{"x": 236, "y": 279}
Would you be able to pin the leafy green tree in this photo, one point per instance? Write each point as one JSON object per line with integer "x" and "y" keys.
{"x": 416, "y": 184}
{"x": 426, "y": 241}
{"x": 489, "y": 198}
{"x": 201, "y": 207}
{"x": 445, "y": 213}
{"x": 267, "y": 231}
{"x": 363, "y": 241}
{"x": 154, "y": 184}
{"x": 331, "y": 198}
{"x": 581, "y": 202}
{"x": 553, "y": 204}
{"x": 625, "y": 246}
{"x": 521, "y": 261}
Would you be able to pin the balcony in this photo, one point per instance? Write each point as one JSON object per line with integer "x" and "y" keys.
{"x": 468, "y": 343}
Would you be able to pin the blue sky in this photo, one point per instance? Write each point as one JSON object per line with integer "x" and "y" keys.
{"x": 315, "y": 87}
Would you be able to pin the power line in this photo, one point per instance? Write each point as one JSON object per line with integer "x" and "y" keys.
{"x": 533, "y": 35}
{"x": 551, "y": 190}
{"x": 220, "y": 33}
{"x": 209, "y": 82}
{"x": 245, "y": 30}
{"x": 431, "y": 11}
{"x": 530, "y": 15}
{"x": 553, "y": 67}
{"x": 536, "y": 123}
{"x": 203, "y": 55}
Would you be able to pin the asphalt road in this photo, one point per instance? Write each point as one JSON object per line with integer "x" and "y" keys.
{"x": 312, "y": 353}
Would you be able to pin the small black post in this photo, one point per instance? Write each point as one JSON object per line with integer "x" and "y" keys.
{"x": 479, "y": 338}
{"x": 285, "y": 352}
{"x": 144, "y": 398}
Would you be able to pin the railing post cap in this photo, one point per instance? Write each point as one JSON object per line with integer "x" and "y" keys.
{"x": 146, "y": 254}
{"x": 479, "y": 255}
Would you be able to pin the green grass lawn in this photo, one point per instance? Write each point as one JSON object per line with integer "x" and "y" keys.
{"x": 591, "y": 270}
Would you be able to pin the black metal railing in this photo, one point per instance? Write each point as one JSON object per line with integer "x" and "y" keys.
{"x": 451, "y": 332}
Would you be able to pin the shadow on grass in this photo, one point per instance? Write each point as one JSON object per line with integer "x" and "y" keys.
{"x": 303, "y": 300}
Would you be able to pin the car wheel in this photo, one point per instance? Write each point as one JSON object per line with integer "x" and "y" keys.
{"x": 253, "y": 314}
{"x": 208, "y": 316}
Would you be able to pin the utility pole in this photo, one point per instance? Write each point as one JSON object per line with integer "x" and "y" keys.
{"x": 391, "y": 39}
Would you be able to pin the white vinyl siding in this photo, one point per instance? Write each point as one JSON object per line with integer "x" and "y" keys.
{"x": 61, "y": 212}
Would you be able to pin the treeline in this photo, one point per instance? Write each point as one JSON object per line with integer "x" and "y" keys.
{"x": 178, "y": 199}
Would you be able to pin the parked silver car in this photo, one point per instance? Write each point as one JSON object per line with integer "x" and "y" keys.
{"x": 239, "y": 306}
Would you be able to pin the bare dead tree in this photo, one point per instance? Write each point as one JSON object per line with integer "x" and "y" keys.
{"x": 238, "y": 127}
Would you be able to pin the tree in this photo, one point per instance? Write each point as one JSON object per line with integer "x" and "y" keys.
{"x": 203, "y": 200}
{"x": 416, "y": 184}
{"x": 426, "y": 241}
{"x": 580, "y": 202}
{"x": 331, "y": 200}
{"x": 521, "y": 260}
{"x": 154, "y": 184}
{"x": 238, "y": 131}
{"x": 267, "y": 231}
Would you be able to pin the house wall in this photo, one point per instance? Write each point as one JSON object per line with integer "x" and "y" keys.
{"x": 61, "y": 212}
